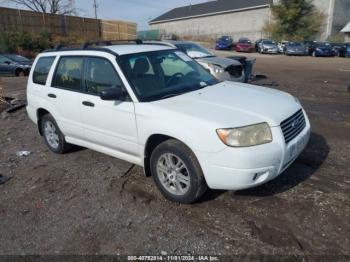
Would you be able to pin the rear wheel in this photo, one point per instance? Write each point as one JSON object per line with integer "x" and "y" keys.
{"x": 177, "y": 173}
{"x": 53, "y": 137}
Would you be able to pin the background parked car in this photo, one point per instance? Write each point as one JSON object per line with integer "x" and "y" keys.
{"x": 221, "y": 68}
{"x": 281, "y": 47}
{"x": 257, "y": 43}
{"x": 244, "y": 45}
{"x": 268, "y": 46}
{"x": 344, "y": 50}
{"x": 14, "y": 65}
{"x": 320, "y": 49}
{"x": 336, "y": 47}
{"x": 295, "y": 48}
{"x": 224, "y": 43}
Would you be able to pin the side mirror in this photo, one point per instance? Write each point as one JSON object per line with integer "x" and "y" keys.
{"x": 8, "y": 62}
{"x": 113, "y": 94}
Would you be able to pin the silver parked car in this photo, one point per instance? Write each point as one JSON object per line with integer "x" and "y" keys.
{"x": 268, "y": 47}
{"x": 220, "y": 67}
{"x": 295, "y": 48}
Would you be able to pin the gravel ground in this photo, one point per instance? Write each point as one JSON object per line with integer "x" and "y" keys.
{"x": 85, "y": 202}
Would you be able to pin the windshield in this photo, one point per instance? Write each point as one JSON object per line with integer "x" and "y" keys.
{"x": 323, "y": 44}
{"x": 17, "y": 58}
{"x": 163, "y": 74}
{"x": 244, "y": 41}
{"x": 194, "y": 50}
{"x": 268, "y": 42}
{"x": 295, "y": 44}
{"x": 225, "y": 39}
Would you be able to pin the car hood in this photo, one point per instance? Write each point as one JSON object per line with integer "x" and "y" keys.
{"x": 29, "y": 63}
{"x": 244, "y": 45}
{"x": 220, "y": 61}
{"x": 295, "y": 48}
{"x": 229, "y": 104}
{"x": 270, "y": 46}
{"x": 324, "y": 48}
{"x": 223, "y": 43}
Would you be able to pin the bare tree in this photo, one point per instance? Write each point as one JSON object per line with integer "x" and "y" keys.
{"x": 63, "y": 7}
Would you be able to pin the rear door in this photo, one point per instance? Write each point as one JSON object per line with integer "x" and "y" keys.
{"x": 65, "y": 94}
{"x": 111, "y": 125}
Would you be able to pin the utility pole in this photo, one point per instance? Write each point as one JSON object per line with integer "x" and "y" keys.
{"x": 95, "y": 8}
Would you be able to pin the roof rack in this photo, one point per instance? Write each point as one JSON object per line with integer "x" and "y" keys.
{"x": 86, "y": 45}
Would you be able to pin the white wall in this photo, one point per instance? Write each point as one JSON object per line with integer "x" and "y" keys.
{"x": 238, "y": 24}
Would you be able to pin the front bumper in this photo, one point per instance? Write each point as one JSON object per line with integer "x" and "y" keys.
{"x": 290, "y": 52}
{"x": 223, "y": 47}
{"x": 242, "y": 168}
{"x": 270, "y": 50}
{"x": 244, "y": 49}
{"x": 324, "y": 54}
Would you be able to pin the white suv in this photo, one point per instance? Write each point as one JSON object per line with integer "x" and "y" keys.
{"x": 156, "y": 107}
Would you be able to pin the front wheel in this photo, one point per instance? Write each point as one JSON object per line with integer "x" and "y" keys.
{"x": 177, "y": 173}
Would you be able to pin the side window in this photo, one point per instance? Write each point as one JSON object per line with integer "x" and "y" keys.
{"x": 68, "y": 73}
{"x": 100, "y": 75}
{"x": 42, "y": 70}
{"x": 3, "y": 59}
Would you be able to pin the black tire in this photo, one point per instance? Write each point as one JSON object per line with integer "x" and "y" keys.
{"x": 197, "y": 185}
{"x": 63, "y": 146}
{"x": 19, "y": 72}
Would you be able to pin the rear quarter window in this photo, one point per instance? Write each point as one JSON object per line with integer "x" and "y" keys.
{"x": 42, "y": 69}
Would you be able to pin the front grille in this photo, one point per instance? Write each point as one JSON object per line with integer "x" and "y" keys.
{"x": 293, "y": 126}
{"x": 235, "y": 71}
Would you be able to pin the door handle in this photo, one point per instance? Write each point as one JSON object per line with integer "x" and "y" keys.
{"x": 52, "y": 95}
{"x": 87, "y": 103}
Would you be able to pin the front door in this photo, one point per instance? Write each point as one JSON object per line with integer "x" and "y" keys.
{"x": 110, "y": 125}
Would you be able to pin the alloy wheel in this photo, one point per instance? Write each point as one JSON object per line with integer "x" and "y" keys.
{"x": 173, "y": 174}
{"x": 51, "y": 134}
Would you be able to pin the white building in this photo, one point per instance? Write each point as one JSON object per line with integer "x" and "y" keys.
{"x": 239, "y": 18}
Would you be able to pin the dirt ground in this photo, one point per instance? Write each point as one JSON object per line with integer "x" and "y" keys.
{"x": 85, "y": 202}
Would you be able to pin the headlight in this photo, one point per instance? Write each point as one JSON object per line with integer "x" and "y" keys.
{"x": 246, "y": 136}
{"x": 217, "y": 69}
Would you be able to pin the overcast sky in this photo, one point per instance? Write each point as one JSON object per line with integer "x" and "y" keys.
{"x": 139, "y": 11}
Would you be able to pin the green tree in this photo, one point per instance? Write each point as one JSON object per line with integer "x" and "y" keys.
{"x": 294, "y": 20}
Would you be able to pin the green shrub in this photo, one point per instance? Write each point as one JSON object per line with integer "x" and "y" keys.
{"x": 31, "y": 44}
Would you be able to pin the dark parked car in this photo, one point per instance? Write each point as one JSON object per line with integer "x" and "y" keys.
{"x": 295, "y": 48}
{"x": 336, "y": 47}
{"x": 224, "y": 43}
{"x": 344, "y": 50}
{"x": 244, "y": 45}
{"x": 14, "y": 65}
{"x": 320, "y": 49}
